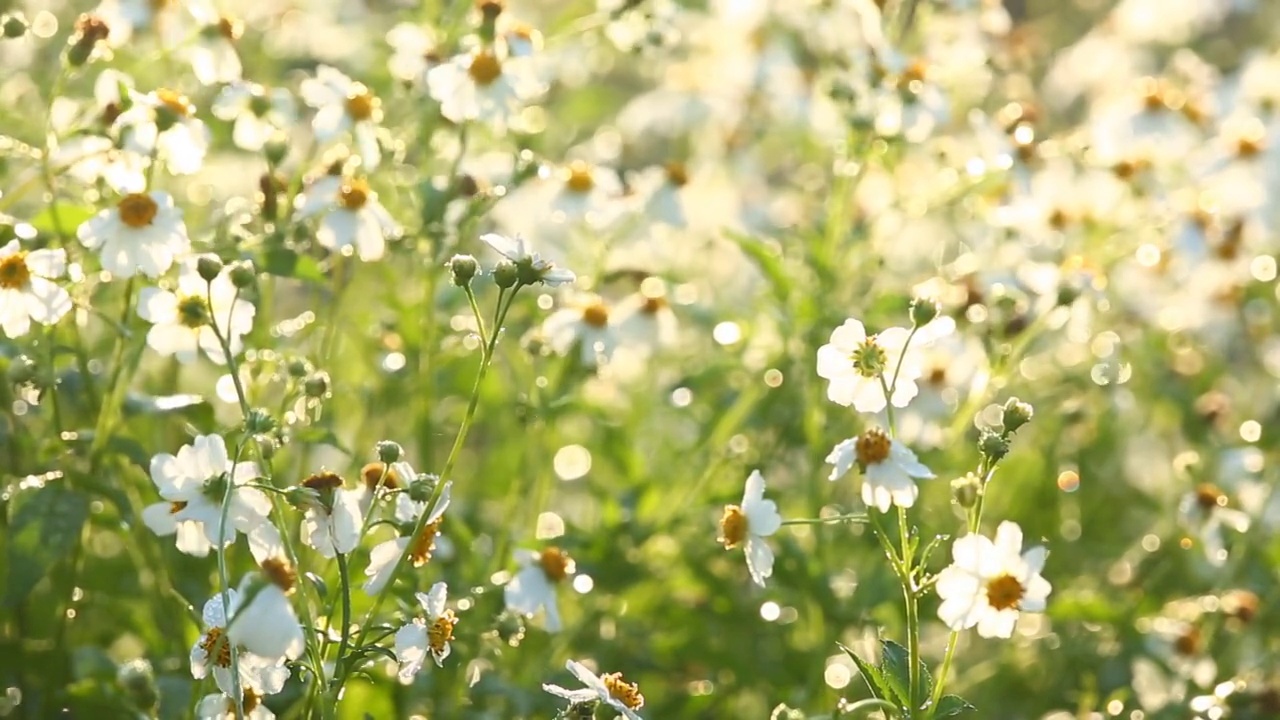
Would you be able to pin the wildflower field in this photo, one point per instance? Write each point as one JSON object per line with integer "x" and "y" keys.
{"x": 666, "y": 359}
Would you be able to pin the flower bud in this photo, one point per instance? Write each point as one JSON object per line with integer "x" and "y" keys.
{"x": 267, "y": 446}
{"x": 463, "y": 268}
{"x": 208, "y": 267}
{"x": 506, "y": 274}
{"x": 13, "y": 26}
{"x": 923, "y": 310}
{"x": 317, "y": 384}
{"x": 298, "y": 368}
{"x": 275, "y": 149}
{"x": 422, "y": 487}
{"x": 388, "y": 451}
{"x": 22, "y": 370}
{"x": 90, "y": 30}
{"x": 139, "y": 683}
{"x": 243, "y": 274}
{"x": 1016, "y": 414}
{"x": 259, "y": 420}
{"x": 993, "y": 446}
{"x": 966, "y": 490}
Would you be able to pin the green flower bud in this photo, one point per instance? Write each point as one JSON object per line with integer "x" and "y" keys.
{"x": 506, "y": 274}
{"x": 993, "y": 446}
{"x": 966, "y": 490}
{"x": 463, "y": 268}
{"x": 243, "y": 274}
{"x": 259, "y": 420}
{"x": 139, "y": 684}
{"x": 388, "y": 451}
{"x": 422, "y": 487}
{"x": 317, "y": 384}
{"x": 298, "y": 368}
{"x": 923, "y": 310}
{"x": 22, "y": 370}
{"x": 208, "y": 267}
{"x": 13, "y": 26}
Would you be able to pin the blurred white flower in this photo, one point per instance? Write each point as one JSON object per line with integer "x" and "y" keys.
{"x": 479, "y": 85}
{"x": 412, "y": 52}
{"x": 585, "y": 325}
{"x": 257, "y": 674}
{"x": 385, "y": 556}
{"x": 428, "y": 635}
{"x": 220, "y": 707}
{"x": 645, "y": 320}
{"x": 212, "y": 52}
{"x": 258, "y": 113}
{"x": 143, "y": 233}
{"x": 163, "y": 124}
{"x": 853, "y": 363}
{"x": 27, "y": 290}
{"x": 1205, "y": 512}
{"x": 353, "y": 219}
{"x": 182, "y": 321}
{"x": 748, "y": 524}
{"x": 532, "y": 267}
{"x": 609, "y": 689}
{"x": 533, "y": 587}
{"x": 345, "y": 106}
{"x": 331, "y": 522}
{"x": 889, "y": 469}
{"x": 989, "y": 583}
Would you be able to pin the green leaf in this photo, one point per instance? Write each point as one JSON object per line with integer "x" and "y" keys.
{"x": 70, "y": 216}
{"x": 284, "y": 262}
{"x": 951, "y": 705}
{"x": 895, "y": 662}
{"x": 45, "y": 527}
{"x": 874, "y": 678}
{"x": 768, "y": 258}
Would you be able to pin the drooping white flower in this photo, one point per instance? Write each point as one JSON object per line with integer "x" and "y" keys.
{"x": 532, "y": 266}
{"x": 266, "y": 624}
{"x": 533, "y": 587}
{"x": 480, "y": 85}
{"x": 212, "y": 52}
{"x": 257, "y": 674}
{"x": 386, "y": 555}
{"x": 27, "y": 290}
{"x": 989, "y": 583}
{"x": 353, "y": 219}
{"x": 889, "y": 469}
{"x": 853, "y": 362}
{"x": 331, "y": 522}
{"x": 143, "y": 233}
{"x": 1205, "y": 511}
{"x": 193, "y": 484}
{"x": 183, "y": 319}
{"x": 163, "y": 123}
{"x": 609, "y": 689}
{"x": 345, "y": 106}
{"x": 426, "y": 636}
{"x": 748, "y": 524}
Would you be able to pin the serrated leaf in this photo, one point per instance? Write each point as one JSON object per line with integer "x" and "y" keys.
{"x": 44, "y": 528}
{"x": 895, "y": 662}
{"x": 952, "y": 705}
{"x": 284, "y": 262}
{"x": 871, "y": 674}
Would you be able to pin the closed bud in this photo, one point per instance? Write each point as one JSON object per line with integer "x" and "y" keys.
{"x": 388, "y": 451}
{"x": 208, "y": 267}
{"x": 1016, "y": 414}
{"x": 275, "y": 149}
{"x": 506, "y": 274}
{"x": 298, "y": 368}
{"x": 966, "y": 490}
{"x": 463, "y": 268}
{"x": 243, "y": 274}
{"x": 993, "y": 446}
{"x": 258, "y": 421}
{"x": 22, "y": 370}
{"x": 317, "y": 384}
{"x": 267, "y": 446}
{"x": 923, "y": 310}
{"x": 14, "y": 26}
{"x": 422, "y": 487}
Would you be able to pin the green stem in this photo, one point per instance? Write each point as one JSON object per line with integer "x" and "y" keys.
{"x": 870, "y": 704}
{"x": 344, "y": 579}
{"x": 225, "y": 581}
{"x": 847, "y": 518}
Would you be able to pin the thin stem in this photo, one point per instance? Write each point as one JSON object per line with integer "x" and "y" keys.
{"x": 832, "y": 520}
{"x": 344, "y": 579}
{"x": 869, "y": 704}
{"x": 913, "y": 610}
{"x": 225, "y": 581}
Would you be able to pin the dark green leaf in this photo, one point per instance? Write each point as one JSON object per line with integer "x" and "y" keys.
{"x": 871, "y": 674}
{"x": 951, "y": 705}
{"x": 322, "y": 588}
{"x": 45, "y": 527}
{"x": 894, "y": 667}
{"x": 287, "y": 263}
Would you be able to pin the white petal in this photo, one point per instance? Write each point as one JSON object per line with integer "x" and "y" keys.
{"x": 759, "y": 559}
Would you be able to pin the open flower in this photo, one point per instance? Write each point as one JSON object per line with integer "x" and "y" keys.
{"x": 267, "y": 624}
{"x": 183, "y": 319}
{"x": 27, "y": 291}
{"x": 585, "y": 325}
{"x": 258, "y": 675}
{"x": 385, "y": 556}
{"x": 609, "y": 689}
{"x": 854, "y": 362}
{"x": 345, "y": 106}
{"x": 331, "y": 522}
{"x": 164, "y": 124}
{"x": 989, "y": 583}
{"x": 143, "y": 233}
{"x": 258, "y": 113}
{"x": 889, "y": 469}
{"x": 531, "y": 266}
{"x": 353, "y": 219}
{"x": 481, "y": 85}
{"x": 749, "y": 524}
{"x": 534, "y": 586}
{"x": 426, "y": 636}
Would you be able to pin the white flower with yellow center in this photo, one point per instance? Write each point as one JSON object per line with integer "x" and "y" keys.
{"x": 257, "y": 675}
{"x": 413, "y": 52}
{"x": 258, "y": 114}
{"x": 353, "y": 220}
{"x": 889, "y": 469}
{"x": 748, "y": 524}
{"x": 586, "y": 325}
{"x": 182, "y": 320}
{"x": 345, "y": 106}
{"x": 27, "y": 290}
{"x": 586, "y": 193}
{"x": 645, "y": 320}
{"x": 989, "y": 583}
{"x": 853, "y": 363}
{"x": 213, "y": 54}
{"x": 143, "y": 233}
{"x": 164, "y": 124}
{"x": 331, "y": 523}
{"x": 533, "y": 587}
{"x": 427, "y": 636}
{"x": 610, "y": 689}
{"x": 481, "y": 85}
{"x": 385, "y": 556}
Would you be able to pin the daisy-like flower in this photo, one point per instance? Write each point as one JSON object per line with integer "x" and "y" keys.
{"x": 164, "y": 123}
{"x": 143, "y": 233}
{"x": 258, "y": 113}
{"x": 378, "y": 479}
{"x": 354, "y": 220}
{"x": 534, "y": 586}
{"x": 853, "y": 363}
{"x": 532, "y": 267}
{"x": 258, "y": 675}
{"x": 413, "y": 52}
{"x": 749, "y": 524}
{"x": 989, "y": 583}
{"x": 610, "y": 689}
{"x": 1205, "y": 511}
{"x": 182, "y": 321}
{"x": 889, "y": 469}
{"x": 481, "y": 85}
{"x": 220, "y": 707}
{"x": 426, "y": 636}
{"x": 331, "y": 522}
{"x": 213, "y": 53}
{"x": 193, "y": 484}
{"x": 27, "y": 290}
{"x": 586, "y": 193}
{"x": 345, "y": 106}
{"x": 267, "y": 625}
{"x": 585, "y": 325}
{"x": 645, "y": 319}
{"x": 386, "y": 555}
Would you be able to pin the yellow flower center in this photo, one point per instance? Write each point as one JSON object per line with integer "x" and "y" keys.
{"x": 177, "y": 507}
{"x": 624, "y": 692}
{"x": 137, "y": 210}
{"x": 556, "y": 563}
{"x": 1188, "y": 643}
{"x": 193, "y": 311}
{"x": 580, "y": 180}
{"x": 1209, "y": 496}
{"x": 324, "y": 481}
{"x": 217, "y": 647}
{"x": 873, "y": 447}
{"x": 175, "y": 102}
{"x": 251, "y": 700}
{"x": 733, "y": 527}
{"x": 425, "y": 544}
{"x": 14, "y": 273}
{"x": 677, "y": 173}
{"x": 1004, "y": 593}
{"x": 229, "y": 28}
{"x": 281, "y": 573}
{"x": 938, "y": 376}
{"x": 353, "y": 194}
{"x": 484, "y": 68}
{"x": 361, "y": 103}
{"x": 375, "y": 473}
{"x": 869, "y": 358}
{"x": 653, "y": 304}
{"x": 596, "y": 315}
{"x": 441, "y": 631}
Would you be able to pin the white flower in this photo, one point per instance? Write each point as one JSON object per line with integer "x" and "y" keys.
{"x": 183, "y": 320}
{"x": 193, "y": 484}
{"x": 587, "y": 194}
{"x": 163, "y": 123}
{"x": 585, "y": 325}
{"x": 645, "y": 320}
{"x": 478, "y": 85}
{"x": 853, "y": 362}
{"x": 27, "y": 291}
{"x": 385, "y": 556}
{"x": 220, "y": 707}
{"x": 426, "y": 636}
{"x": 989, "y": 583}
{"x": 609, "y": 689}
{"x": 345, "y": 106}
{"x": 1205, "y": 511}
{"x": 888, "y": 469}
{"x": 749, "y": 524}
{"x": 213, "y": 53}
{"x": 143, "y": 233}
{"x": 331, "y": 523}
{"x": 212, "y": 652}
{"x": 267, "y": 625}
{"x": 353, "y": 220}
{"x": 411, "y": 52}
{"x": 532, "y": 267}
{"x": 258, "y": 113}
{"x": 534, "y": 586}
